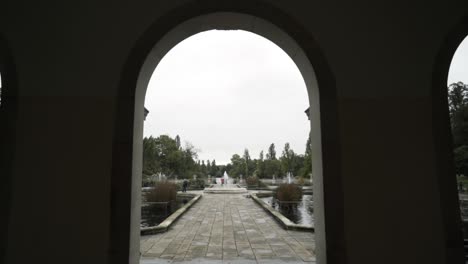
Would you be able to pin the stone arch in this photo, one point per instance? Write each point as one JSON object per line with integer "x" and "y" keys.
{"x": 442, "y": 138}
{"x": 8, "y": 113}
{"x": 299, "y": 45}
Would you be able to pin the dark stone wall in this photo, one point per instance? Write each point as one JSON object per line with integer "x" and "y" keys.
{"x": 388, "y": 63}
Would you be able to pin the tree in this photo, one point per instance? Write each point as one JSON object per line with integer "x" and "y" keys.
{"x": 203, "y": 168}
{"x": 457, "y": 97}
{"x": 306, "y": 169}
{"x": 214, "y": 168}
{"x": 260, "y": 170}
{"x": 288, "y": 159}
{"x": 308, "y": 149}
{"x": 271, "y": 155}
{"x": 151, "y": 164}
{"x": 272, "y": 168}
{"x": 170, "y": 156}
{"x": 461, "y": 160}
{"x": 228, "y": 168}
{"x": 189, "y": 166}
{"x": 298, "y": 164}
{"x": 177, "y": 141}
{"x": 246, "y": 158}
{"x": 458, "y": 106}
{"x": 238, "y": 166}
{"x": 246, "y": 155}
{"x": 162, "y": 155}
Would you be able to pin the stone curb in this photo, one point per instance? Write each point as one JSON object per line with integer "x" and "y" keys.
{"x": 281, "y": 219}
{"x": 164, "y": 226}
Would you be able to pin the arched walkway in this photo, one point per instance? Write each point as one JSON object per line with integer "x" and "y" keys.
{"x": 443, "y": 141}
{"x": 301, "y": 48}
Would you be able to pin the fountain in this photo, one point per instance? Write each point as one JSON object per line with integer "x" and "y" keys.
{"x": 274, "y": 179}
{"x": 240, "y": 180}
{"x": 226, "y": 177}
{"x": 160, "y": 176}
{"x": 289, "y": 177}
{"x": 228, "y": 187}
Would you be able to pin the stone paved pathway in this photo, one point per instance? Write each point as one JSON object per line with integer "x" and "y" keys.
{"x": 227, "y": 228}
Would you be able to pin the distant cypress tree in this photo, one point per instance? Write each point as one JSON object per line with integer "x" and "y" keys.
{"x": 177, "y": 140}
{"x": 271, "y": 155}
{"x": 208, "y": 167}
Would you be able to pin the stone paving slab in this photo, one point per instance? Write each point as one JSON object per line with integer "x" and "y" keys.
{"x": 227, "y": 228}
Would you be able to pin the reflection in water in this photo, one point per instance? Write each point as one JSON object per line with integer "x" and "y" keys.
{"x": 298, "y": 212}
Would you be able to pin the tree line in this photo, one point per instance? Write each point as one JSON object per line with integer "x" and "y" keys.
{"x": 269, "y": 164}
{"x": 458, "y": 107}
{"x": 165, "y": 155}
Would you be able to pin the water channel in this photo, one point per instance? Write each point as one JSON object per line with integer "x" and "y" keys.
{"x": 298, "y": 212}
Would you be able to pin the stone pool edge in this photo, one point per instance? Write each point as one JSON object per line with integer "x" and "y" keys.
{"x": 281, "y": 219}
{"x": 164, "y": 225}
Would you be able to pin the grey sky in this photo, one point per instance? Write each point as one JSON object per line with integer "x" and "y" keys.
{"x": 224, "y": 91}
{"x": 459, "y": 66}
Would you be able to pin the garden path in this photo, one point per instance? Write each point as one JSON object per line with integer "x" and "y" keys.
{"x": 227, "y": 228}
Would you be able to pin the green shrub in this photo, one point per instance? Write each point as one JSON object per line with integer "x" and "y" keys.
{"x": 162, "y": 192}
{"x": 289, "y": 192}
{"x": 252, "y": 181}
{"x": 196, "y": 184}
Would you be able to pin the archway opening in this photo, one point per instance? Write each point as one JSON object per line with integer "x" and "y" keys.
{"x": 240, "y": 100}
{"x": 457, "y": 83}
{"x": 235, "y": 21}
{"x": 150, "y": 49}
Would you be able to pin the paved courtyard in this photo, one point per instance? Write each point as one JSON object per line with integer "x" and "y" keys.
{"x": 227, "y": 228}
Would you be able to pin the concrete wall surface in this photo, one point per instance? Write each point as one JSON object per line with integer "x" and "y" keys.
{"x": 65, "y": 125}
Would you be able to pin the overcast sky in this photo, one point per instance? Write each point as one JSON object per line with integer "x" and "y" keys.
{"x": 459, "y": 66}
{"x": 224, "y": 91}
